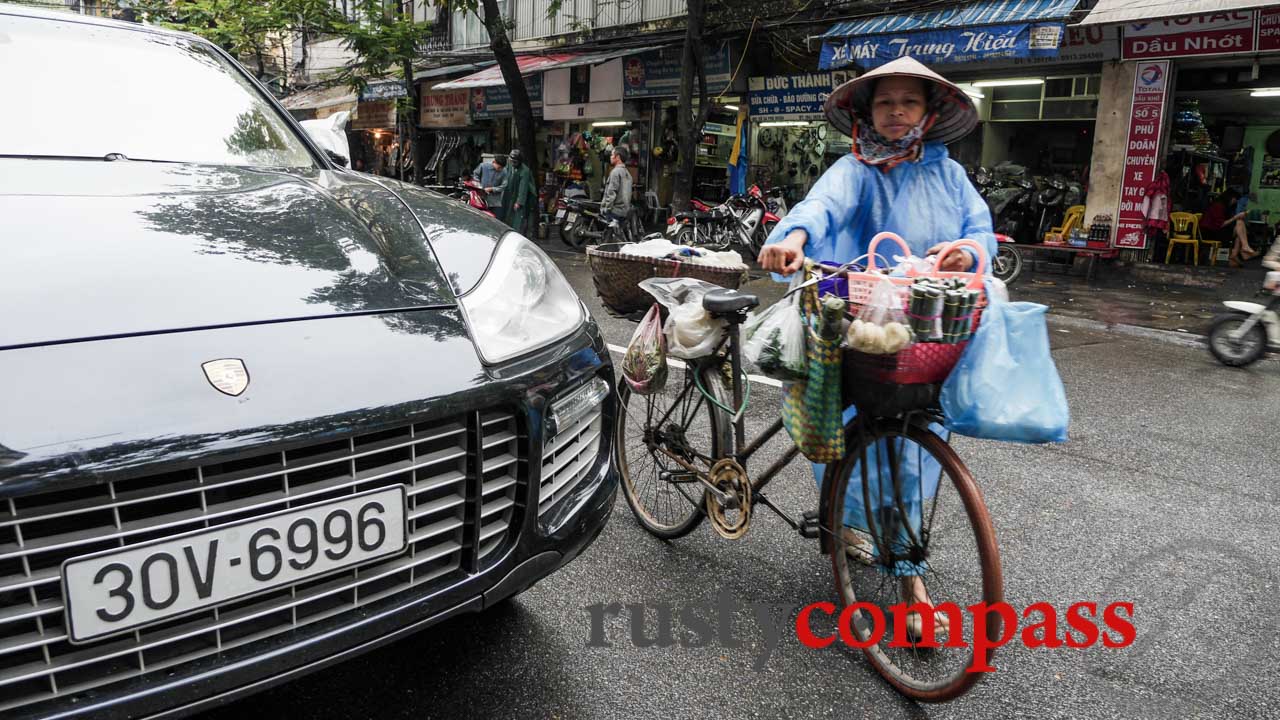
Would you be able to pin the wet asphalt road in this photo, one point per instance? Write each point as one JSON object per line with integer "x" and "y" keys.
{"x": 1165, "y": 496}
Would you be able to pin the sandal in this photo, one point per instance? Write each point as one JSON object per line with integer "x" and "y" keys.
{"x": 858, "y": 547}
{"x": 915, "y": 621}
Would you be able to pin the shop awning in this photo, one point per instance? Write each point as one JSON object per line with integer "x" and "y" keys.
{"x": 988, "y": 12}
{"x": 1123, "y": 11}
{"x": 452, "y": 70}
{"x": 319, "y": 97}
{"x": 491, "y": 76}
{"x": 530, "y": 64}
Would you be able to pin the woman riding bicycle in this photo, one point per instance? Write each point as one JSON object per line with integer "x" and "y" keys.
{"x": 900, "y": 179}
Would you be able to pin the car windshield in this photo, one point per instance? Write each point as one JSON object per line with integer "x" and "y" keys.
{"x": 82, "y": 91}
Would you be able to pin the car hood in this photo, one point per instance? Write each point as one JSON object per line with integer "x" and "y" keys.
{"x": 107, "y": 249}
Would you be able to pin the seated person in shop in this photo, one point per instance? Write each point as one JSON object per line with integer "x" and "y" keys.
{"x": 899, "y": 178}
{"x": 492, "y": 176}
{"x": 1217, "y": 225}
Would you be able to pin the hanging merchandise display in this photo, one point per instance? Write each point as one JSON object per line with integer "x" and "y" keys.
{"x": 1189, "y": 128}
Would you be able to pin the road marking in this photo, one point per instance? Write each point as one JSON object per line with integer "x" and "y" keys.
{"x": 680, "y": 364}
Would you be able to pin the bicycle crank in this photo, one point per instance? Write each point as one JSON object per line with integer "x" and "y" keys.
{"x": 731, "y": 515}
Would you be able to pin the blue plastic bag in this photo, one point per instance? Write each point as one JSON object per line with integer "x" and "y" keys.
{"x": 1005, "y": 386}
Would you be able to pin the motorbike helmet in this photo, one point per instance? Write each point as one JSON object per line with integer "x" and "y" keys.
{"x": 515, "y": 156}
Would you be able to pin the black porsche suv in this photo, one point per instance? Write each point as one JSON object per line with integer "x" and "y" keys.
{"x": 258, "y": 412}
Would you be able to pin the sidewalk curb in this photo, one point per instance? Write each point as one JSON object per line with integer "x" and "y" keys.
{"x": 1168, "y": 336}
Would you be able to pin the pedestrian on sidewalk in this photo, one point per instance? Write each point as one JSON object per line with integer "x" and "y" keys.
{"x": 615, "y": 204}
{"x": 520, "y": 199}
{"x": 492, "y": 176}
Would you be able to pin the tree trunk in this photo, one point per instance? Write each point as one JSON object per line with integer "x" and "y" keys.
{"x": 521, "y": 110}
{"x": 690, "y": 121}
{"x": 412, "y": 121}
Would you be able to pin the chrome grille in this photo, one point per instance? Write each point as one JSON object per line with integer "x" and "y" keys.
{"x": 568, "y": 457}
{"x": 438, "y": 461}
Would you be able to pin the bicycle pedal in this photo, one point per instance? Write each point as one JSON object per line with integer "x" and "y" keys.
{"x": 809, "y": 527}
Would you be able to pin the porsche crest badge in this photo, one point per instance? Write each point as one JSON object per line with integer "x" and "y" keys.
{"x": 228, "y": 375}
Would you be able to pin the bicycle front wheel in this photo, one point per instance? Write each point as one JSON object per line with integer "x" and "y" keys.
{"x": 665, "y": 497}
{"x": 910, "y": 526}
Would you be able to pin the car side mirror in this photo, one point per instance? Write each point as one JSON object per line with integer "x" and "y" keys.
{"x": 338, "y": 158}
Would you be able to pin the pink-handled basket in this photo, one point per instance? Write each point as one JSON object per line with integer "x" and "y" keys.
{"x": 921, "y": 362}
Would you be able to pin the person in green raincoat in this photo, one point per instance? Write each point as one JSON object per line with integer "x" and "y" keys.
{"x": 521, "y": 198}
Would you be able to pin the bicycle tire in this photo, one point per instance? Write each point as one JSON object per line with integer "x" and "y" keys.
{"x": 890, "y": 662}
{"x": 647, "y": 494}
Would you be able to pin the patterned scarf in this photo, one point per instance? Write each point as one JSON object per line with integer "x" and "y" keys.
{"x": 875, "y": 149}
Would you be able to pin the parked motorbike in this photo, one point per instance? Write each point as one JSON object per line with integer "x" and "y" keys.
{"x": 584, "y": 224}
{"x": 468, "y": 191}
{"x": 743, "y": 220}
{"x": 562, "y": 215}
{"x": 1049, "y": 204}
{"x": 1007, "y": 264}
{"x": 1250, "y": 330}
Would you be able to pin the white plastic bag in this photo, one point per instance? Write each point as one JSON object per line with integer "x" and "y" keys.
{"x": 691, "y": 331}
{"x": 775, "y": 339}
{"x": 881, "y": 327}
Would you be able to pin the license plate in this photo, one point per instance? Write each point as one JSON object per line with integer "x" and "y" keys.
{"x": 571, "y": 217}
{"x": 118, "y": 590}
{"x": 560, "y": 214}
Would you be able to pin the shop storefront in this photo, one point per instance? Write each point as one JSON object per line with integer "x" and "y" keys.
{"x": 451, "y": 146}
{"x": 791, "y": 142}
{"x": 651, "y": 84}
{"x": 374, "y": 140}
{"x": 1036, "y": 84}
{"x": 1199, "y": 100}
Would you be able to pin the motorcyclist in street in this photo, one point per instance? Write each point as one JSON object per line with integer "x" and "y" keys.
{"x": 616, "y": 202}
{"x": 898, "y": 178}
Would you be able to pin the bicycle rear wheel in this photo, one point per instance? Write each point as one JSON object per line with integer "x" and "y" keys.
{"x": 666, "y": 500}
{"x": 934, "y": 544}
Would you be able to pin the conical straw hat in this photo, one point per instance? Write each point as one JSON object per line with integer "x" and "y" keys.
{"x": 957, "y": 116}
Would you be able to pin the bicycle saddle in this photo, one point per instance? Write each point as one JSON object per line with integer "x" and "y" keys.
{"x": 724, "y": 301}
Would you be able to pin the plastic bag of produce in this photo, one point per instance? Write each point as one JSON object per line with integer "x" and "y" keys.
{"x": 881, "y": 327}
{"x": 775, "y": 340}
{"x": 691, "y": 331}
{"x": 645, "y": 365}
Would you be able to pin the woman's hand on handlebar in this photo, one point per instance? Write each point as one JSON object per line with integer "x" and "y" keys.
{"x": 786, "y": 256}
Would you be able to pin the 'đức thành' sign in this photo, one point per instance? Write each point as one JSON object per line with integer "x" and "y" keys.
{"x": 965, "y": 45}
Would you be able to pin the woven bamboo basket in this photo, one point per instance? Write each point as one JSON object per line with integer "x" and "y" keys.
{"x": 616, "y": 276}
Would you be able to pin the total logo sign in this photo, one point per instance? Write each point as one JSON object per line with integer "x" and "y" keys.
{"x": 1151, "y": 78}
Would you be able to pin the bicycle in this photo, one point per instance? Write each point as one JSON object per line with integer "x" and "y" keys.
{"x": 683, "y": 458}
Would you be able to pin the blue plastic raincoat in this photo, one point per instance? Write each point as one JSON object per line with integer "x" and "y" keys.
{"x": 926, "y": 202}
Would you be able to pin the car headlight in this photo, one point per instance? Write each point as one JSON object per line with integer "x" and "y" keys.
{"x": 522, "y": 303}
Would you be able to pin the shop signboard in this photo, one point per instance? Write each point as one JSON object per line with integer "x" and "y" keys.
{"x": 964, "y": 45}
{"x": 657, "y": 73}
{"x": 383, "y": 90}
{"x": 444, "y": 108}
{"x": 791, "y": 97}
{"x": 374, "y": 115}
{"x": 1082, "y": 44}
{"x": 1269, "y": 30}
{"x": 1190, "y": 36}
{"x": 494, "y": 101}
{"x": 1142, "y": 151}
